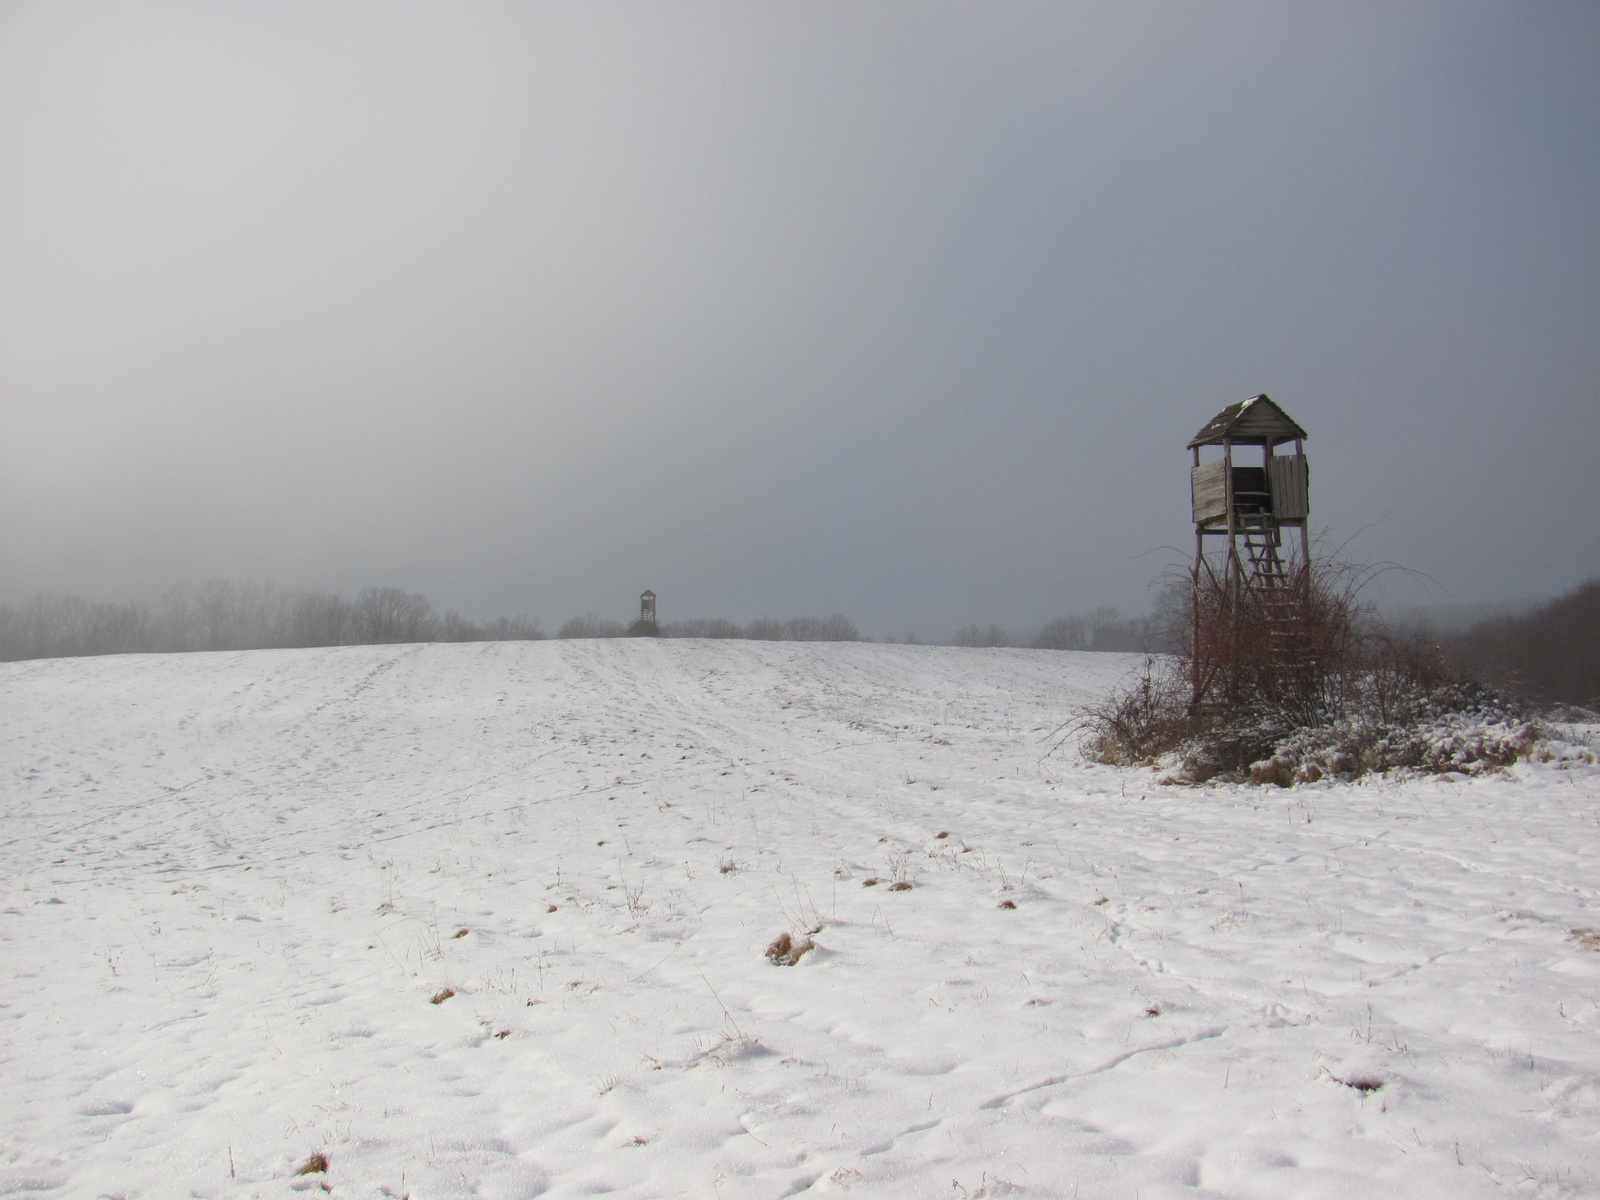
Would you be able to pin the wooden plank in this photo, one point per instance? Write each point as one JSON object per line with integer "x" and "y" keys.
{"x": 1289, "y": 479}
{"x": 1208, "y": 488}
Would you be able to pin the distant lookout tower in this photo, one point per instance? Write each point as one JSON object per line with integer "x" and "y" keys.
{"x": 646, "y": 625}
{"x": 1248, "y": 507}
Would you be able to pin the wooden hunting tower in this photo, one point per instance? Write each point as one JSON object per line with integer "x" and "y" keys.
{"x": 647, "y": 607}
{"x": 1250, "y": 506}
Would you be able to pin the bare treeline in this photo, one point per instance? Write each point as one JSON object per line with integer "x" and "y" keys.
{"x": 222, "y": 615}
{"x": 1549, "y": 655}
{"x": 837, "y": 628}
{"x": 1102, "y": 629}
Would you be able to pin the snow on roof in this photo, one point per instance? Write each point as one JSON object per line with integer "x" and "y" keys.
{"x": 1257, "y": 421}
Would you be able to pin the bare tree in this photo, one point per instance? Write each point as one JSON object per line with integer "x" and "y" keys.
{"x": 388, "y": 614}
{"x": 590, "y": 626}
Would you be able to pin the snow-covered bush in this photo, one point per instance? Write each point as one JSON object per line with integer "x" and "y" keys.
{"x": 1300, "y": 684}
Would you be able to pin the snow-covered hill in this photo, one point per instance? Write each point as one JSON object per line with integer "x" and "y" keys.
{"x": 233, "y": 883}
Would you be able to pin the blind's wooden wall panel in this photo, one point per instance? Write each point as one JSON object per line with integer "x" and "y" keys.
{"x": 1208, "y": 488}
{"x": 1290, "y": 483}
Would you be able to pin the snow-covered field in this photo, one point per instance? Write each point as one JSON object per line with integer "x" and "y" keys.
{"x": 232, "y": 883}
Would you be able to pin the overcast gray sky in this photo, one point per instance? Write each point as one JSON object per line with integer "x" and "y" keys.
{"x": 900, "y": 310}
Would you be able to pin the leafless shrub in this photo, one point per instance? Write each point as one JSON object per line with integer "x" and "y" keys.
{"x": 977, "y": 637}
{"x": 785, "y": 951}
{"x": 837, "y": 628}
{"x": 1103, "y": 629}
{"x": 590, "y": 626}
{"x": 456, "y": 628}
{"x": 716, "y": 627}
{"x": 1143, "y": 720}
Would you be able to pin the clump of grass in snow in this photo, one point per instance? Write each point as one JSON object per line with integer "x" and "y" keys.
{"x": 442, "y": 995}
{"x": 902, "y": 885}
{"x": 1006, "y": 904}
{"x": 873, "y": 882}
{"x": 785, "y": 951}
{"x": 317, "y": 1164}
{"x": 460, "y": 933}
{"x": 1361, "y": 1083}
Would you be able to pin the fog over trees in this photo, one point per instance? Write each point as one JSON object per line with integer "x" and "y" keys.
{"x": 223, "y": 615}
{"x": 226, "y": 615}
{"x": 1103, "y": 629}
{"x": 1550, "y": 655}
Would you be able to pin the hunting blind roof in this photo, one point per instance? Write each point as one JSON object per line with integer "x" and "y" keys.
{"x": 1253, "y": 422}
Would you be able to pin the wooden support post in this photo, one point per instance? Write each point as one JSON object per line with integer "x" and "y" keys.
{"x": 1305, "y": 525}
{"x": 1233, "y": 570}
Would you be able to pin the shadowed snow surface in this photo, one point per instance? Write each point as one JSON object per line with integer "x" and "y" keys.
{"x": 233, "y": 882}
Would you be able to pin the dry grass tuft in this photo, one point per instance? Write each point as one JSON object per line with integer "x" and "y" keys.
{"x": 902, "y": 885}
{"x": 1587, "y": 939}
{"x": 785, "y": 951}
{"x": 1361, "y": 1083}
{"x": 1006, "y": 904}
{"x": 549, "y": 908}
{"x": 442, "y": 995}
{"x": 873, "y": 882}
{"x": 317, "y": 1164}
{"x": 460, "y": 933}
{"x": 943, "y": 833}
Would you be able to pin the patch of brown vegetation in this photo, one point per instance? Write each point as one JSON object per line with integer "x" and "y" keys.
{"x": 785, "y": 951}
{"x": 1361, "y": 1083}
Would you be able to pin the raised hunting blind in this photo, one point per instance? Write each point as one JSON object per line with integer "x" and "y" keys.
{"x": 1245, "y": 505}
{"x": 1254, "y": 620}
{"x": 647, "y": 607}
